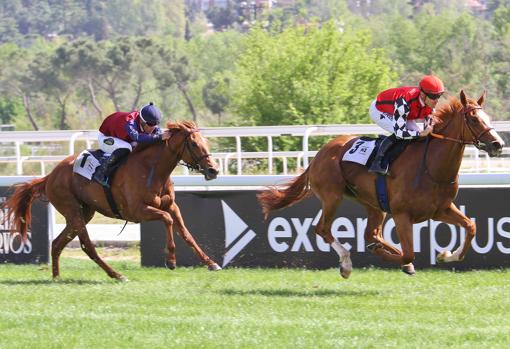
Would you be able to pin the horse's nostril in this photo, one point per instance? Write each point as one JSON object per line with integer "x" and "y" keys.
{"x": 212, "y": 171}
{"x": 497, "y": 145}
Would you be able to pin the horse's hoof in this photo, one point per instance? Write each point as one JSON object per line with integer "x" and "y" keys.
{"x": 56, "y": 279}
{"x": 442, "y": 256}
{"x": 170, "y": 265}
{"x": 122, "y": 278}
{"x": 214, "y": 267}
{"x": 345, "y": 266}
{"x": 345, "y": 273}
{"x": 409, "y": 269}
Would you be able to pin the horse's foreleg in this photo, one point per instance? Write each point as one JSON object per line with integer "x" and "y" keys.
{"x": 404, "y": 228}
{"x": 188, "y": 238}
{"x": 373, "y": 233}
{"x": 171, "y": 261}
{"x": 452, "y": 215}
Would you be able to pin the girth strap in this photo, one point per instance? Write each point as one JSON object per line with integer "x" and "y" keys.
{"x": 111, "y": 202}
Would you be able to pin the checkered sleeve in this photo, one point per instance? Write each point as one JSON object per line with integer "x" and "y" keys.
{"x": 400, "y": 120}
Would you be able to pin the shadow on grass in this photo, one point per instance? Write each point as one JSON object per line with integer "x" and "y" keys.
{"x": 305, "y": 293}
{"x": 51, "y": 282}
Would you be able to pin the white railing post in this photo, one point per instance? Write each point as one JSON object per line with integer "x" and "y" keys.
{"x": 306, "y": 136}
{"x": 72, "y": 140}
{"x": 270, "y": 154}
{"x": 19, "y": 165}
{"x": 239, "y": 155}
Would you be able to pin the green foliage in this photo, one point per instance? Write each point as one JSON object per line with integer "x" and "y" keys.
{"x": 10, "y": 110}
{"x": 309, "y": 76}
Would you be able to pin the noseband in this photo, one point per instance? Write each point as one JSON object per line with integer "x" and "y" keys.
{"x": 476, "y": 138}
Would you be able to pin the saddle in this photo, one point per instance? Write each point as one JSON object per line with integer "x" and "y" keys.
{"x": 392, "y": 154}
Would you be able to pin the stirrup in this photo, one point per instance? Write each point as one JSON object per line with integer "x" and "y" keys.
{"x": 377, "y": 168}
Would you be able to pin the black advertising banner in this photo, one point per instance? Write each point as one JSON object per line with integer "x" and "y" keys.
{"x": 36, "y": 248}
{"x": 230, "y": 228}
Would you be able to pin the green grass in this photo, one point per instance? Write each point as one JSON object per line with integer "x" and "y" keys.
{"x": 251, "y": 308}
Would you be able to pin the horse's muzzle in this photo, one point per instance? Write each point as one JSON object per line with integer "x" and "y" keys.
{"x": 494, "y": 148}
{"x": 210, "y": 173}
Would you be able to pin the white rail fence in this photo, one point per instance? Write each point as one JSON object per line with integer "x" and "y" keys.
{"x": 14, "y": 146}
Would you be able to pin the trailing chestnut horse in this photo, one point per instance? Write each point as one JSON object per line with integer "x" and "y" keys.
{"x": 141, "y": 188}
{"x": 433, "y": 164}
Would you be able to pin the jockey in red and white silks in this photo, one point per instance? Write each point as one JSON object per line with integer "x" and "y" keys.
{"x": 397, "y": 109}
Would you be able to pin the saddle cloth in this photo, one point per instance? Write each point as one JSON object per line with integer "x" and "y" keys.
{"x": 88, "y": 161}
{"x": 364, "y": 149}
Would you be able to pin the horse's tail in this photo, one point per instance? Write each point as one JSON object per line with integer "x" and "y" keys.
{"x": 275, "y": 198}
{"x": 20, "y": 203}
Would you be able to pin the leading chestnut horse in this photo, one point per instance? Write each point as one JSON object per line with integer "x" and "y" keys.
{"x": 434, "y": 165}
{"x": 141, "y": 188}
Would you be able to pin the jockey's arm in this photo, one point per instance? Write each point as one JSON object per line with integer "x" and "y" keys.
{"x": 140, "y": 137}
{"x": 401, "y": 111}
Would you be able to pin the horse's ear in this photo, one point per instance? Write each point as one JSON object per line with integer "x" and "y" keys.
{"x": 463, "y": 98}
{"x": 481, "y": 100}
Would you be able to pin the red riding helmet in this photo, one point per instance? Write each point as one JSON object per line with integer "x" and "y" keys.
{"x": 432, "y": 85}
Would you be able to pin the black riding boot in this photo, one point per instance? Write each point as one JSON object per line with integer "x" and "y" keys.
{"x": 104, "y": 171}
{"x": 385, "y": 145}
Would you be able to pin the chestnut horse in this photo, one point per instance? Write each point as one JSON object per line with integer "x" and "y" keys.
{"x": 433, "y": 166}
{"x": 141, "y": 188}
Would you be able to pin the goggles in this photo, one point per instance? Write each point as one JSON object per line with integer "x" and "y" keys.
{"x": 432, "y": 95}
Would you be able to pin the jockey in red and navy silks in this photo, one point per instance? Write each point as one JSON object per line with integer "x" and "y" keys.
{"x": 396, "y": 110}
{"x": 120, "y": 131}
{"x": 127, "y": 126}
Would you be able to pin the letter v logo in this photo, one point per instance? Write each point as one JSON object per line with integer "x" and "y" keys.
{"x": 234, "y": 227}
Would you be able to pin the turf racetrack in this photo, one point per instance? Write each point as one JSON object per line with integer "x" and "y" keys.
{"x": 251, "y": 308}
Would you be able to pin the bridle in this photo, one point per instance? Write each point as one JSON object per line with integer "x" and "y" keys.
{"x": 195, "y": 159}
{"x": 476, "y": 138}
{"x": 476, "y": 142}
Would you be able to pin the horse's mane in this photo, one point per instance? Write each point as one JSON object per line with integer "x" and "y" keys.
{"x": 452, "y": 106}
{"x": 181, "y": 125}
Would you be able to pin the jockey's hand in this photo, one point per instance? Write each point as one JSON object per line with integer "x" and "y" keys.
{"x": 166, "y": 135}
{"x": 426, "y": 131}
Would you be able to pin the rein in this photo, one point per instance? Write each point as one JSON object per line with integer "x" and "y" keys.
{"x": 196, "y": 159}
{"x": 476, "y": 139}
{"x": 475, "y": 142}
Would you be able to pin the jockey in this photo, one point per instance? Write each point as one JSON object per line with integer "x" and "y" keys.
{"x": 396, "y": 110}
{"x": 121, "y": 131}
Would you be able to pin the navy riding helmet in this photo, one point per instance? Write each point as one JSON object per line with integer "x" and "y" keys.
{"x": 150, "y": 114}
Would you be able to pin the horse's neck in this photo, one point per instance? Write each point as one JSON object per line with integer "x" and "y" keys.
{"x": 161, "y": 160}
{"x": 445, "y": 157}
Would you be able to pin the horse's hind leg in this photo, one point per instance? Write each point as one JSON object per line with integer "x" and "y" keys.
{"x": 88, "y": 247}
{"x": 175, "y": 212}
{"x": 330, "y": 199}
{"x": 61, "y": 241}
